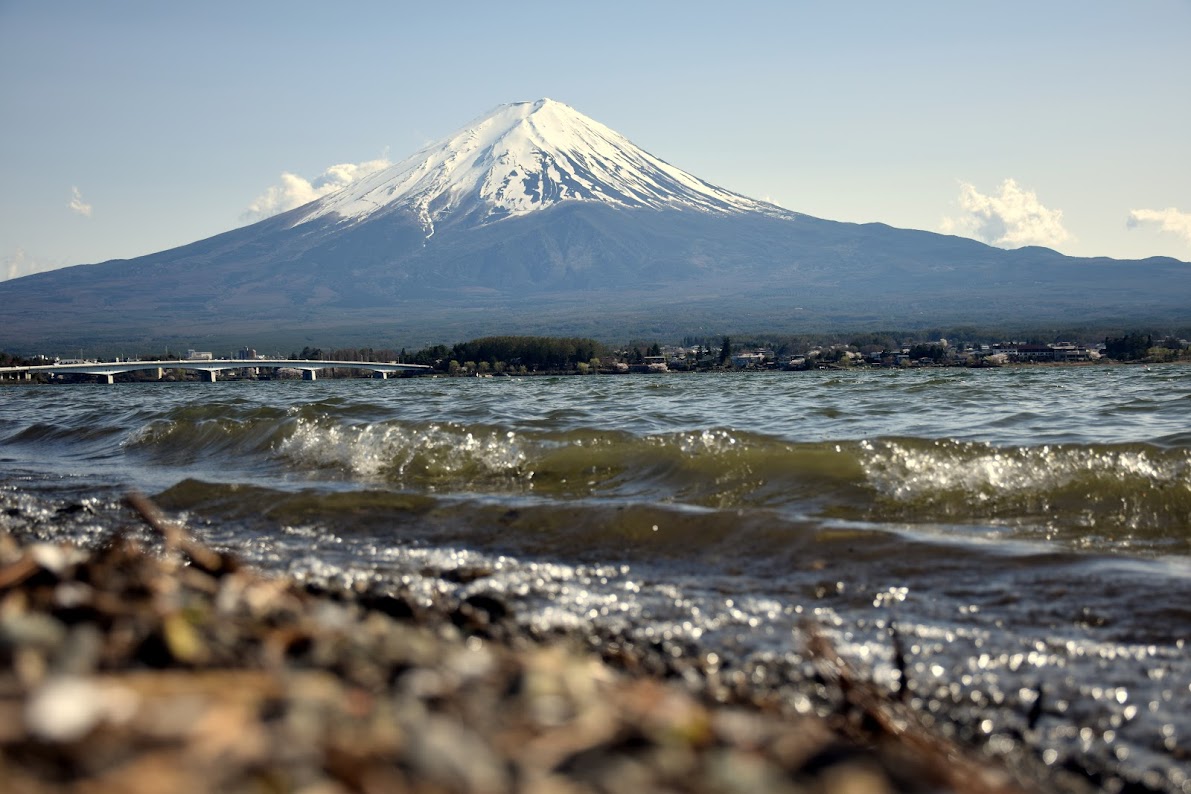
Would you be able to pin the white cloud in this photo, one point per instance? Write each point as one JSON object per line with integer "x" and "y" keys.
{"x": 1010, "y": 220}
{"x": 1168, "y": 220}
{"x": 77, "y": 204}
{"x": 294, "y": 191}
{"x": 19, "y": 263}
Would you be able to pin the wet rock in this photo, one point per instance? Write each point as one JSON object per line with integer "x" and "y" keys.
{"x": 465, "y": 574}
{"x": 79, "y": 653}
{"x": 479, "y": 612}
{"x": 31, "y": 631}
{"x": 66, "y": 708}
{"x": 393, "y": 606}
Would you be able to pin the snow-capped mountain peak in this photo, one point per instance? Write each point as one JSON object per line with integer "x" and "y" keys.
{"x": 521, "y": 158}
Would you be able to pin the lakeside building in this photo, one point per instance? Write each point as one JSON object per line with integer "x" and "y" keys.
{"x": 1059, "y": 351}
{"x": 746, "y": 360}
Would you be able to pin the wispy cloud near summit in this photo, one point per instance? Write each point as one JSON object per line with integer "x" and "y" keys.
{"x": 1011, "y": 219}
{"x": 294, "y": 190}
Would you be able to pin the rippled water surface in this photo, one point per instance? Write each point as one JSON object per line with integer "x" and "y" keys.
{"x": 1028, "y": 529}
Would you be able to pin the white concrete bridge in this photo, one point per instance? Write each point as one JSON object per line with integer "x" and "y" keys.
{"x": 107, "y": 370}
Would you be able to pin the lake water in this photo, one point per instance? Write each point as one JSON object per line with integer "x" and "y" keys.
{"x": 1028, "y": 529}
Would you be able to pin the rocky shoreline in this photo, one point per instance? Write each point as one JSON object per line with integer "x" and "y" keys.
{"x": 170, "y": 666}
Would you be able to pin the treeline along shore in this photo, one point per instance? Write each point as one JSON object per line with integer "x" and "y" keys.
{"x": 533, "y": 355}
{"x": 152, "y": 662}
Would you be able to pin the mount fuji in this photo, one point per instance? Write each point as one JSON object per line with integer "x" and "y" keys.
{"x": 524, "y": 158}
{"x": 537, "y": 219}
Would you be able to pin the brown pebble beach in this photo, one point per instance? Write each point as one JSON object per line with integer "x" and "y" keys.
{"x": 175, "y": 668}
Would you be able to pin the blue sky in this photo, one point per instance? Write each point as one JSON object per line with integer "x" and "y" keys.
{"x": 133, "y": 126}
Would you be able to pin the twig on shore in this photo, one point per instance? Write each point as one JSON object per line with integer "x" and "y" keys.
{"x": 176, "y": 538}
{"x": 899, "y": 663}
{"x": 894, "y": 720}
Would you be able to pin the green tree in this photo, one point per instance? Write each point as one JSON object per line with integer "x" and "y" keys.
{"x": 1129, "y": 347}
{"x": 1160, "y": 354}
{"x": 311, "y": 353}
{"x": 535, "y": 353}
{"x": 725, "y": 351}
{"x": 935, "y": 353}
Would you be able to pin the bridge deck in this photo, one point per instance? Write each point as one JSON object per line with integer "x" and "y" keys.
{"x": 211, "y": 366}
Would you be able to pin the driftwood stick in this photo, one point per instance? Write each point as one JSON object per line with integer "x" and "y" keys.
{"x": 899, "y": 663}
{"x": 176, "y": 538}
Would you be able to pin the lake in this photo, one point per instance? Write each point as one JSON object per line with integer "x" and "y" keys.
{"x": 1027, "y": 530}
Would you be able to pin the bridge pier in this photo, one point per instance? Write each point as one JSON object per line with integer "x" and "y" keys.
{"x": 109, "y": 379}
{"x": 381, "y": 374}
{"x": 160, "y": 373}
{"x": 209, "y": 375}
{"x": 309, "y": 374}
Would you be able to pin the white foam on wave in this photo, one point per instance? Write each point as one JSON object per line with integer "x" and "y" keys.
{"x": 401, "y": 452}
{"x": 1096, "y": 497}
{"x": 983, "y": 472}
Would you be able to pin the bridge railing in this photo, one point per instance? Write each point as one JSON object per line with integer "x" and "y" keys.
{"x": 107, "y": 369}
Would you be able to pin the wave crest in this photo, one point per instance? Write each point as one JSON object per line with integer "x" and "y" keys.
{"x": 1139, "y": 489}
{"x": 406, "y": 454}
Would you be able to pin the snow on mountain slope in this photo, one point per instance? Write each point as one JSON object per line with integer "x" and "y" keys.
{"x": 524, "y": 157}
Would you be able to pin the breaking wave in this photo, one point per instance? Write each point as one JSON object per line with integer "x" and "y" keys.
{"x": 1126, "y": 493}
{"x": 1091, "y": 496}
{"x": 800, "y": 452}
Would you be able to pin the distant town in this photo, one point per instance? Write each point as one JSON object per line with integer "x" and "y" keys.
{"x": 523, "y": 355}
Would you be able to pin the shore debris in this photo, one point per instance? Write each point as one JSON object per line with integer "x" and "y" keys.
{"x": 178, "y": 669}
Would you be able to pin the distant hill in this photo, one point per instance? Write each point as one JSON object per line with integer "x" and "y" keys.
{"x": 535, "y": 219}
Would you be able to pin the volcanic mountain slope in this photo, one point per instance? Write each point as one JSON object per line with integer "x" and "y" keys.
{"x": 524, "y": 158}
{"x": 538, "y": 219}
